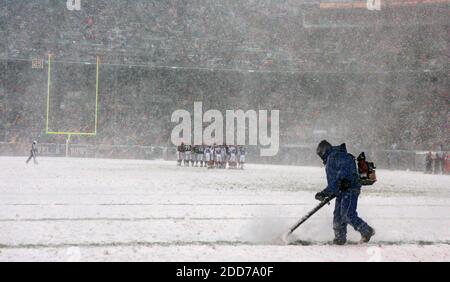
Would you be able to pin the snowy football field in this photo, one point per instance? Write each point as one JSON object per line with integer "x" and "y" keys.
{"x": 120, "y": 210}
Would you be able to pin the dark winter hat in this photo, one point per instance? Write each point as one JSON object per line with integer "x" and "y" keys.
{"x": 323, "y": 148}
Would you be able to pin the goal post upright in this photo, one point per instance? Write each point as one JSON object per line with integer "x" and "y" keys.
{"x": 69, "y": 134}
{"x": 49, "y": 82}
{"x": 96, "y": 93}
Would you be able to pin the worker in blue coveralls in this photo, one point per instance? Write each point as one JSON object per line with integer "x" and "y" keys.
{"x": 343, "y": 183}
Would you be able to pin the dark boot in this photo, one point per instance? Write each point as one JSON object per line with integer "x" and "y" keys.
{"x": 365, "y": 238}
{"x": 339, "y": 241}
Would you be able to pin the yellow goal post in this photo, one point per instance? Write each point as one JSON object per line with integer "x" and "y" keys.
{"x": 70, "y": 134}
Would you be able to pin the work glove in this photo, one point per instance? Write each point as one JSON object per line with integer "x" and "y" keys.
{"x": 344, "y": 185}
{"x": 321, "y": 196}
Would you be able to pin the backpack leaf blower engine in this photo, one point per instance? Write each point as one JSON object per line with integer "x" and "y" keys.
{"x": 366, "y": 171}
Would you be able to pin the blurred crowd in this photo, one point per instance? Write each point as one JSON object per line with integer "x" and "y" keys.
{"x": 375, "y": 80}
{"x": 256, "y": 35}
{"x": 136, "y": 104}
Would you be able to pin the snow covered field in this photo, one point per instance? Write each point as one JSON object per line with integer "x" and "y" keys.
{"x": 114, "y": 210}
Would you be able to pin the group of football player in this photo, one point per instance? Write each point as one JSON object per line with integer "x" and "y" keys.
{"x": 215, "y": 156}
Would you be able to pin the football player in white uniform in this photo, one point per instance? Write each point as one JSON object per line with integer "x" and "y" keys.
{"x": 209, "y": 156}
{"x": 232, "y": 162}
{"x": 242, "y": 155}
{"x": 218, "y": 155}
{"x": 187, "y": 154}
{"x": 193, "y": 156}
{"x": 223, "y": 152}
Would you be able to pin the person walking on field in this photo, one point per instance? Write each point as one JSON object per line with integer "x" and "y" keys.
{"x": 33, "y": 153}
{"x": 343, "y": 183}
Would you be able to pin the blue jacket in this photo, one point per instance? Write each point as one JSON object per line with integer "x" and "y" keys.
{"x": 339, "y": 165}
